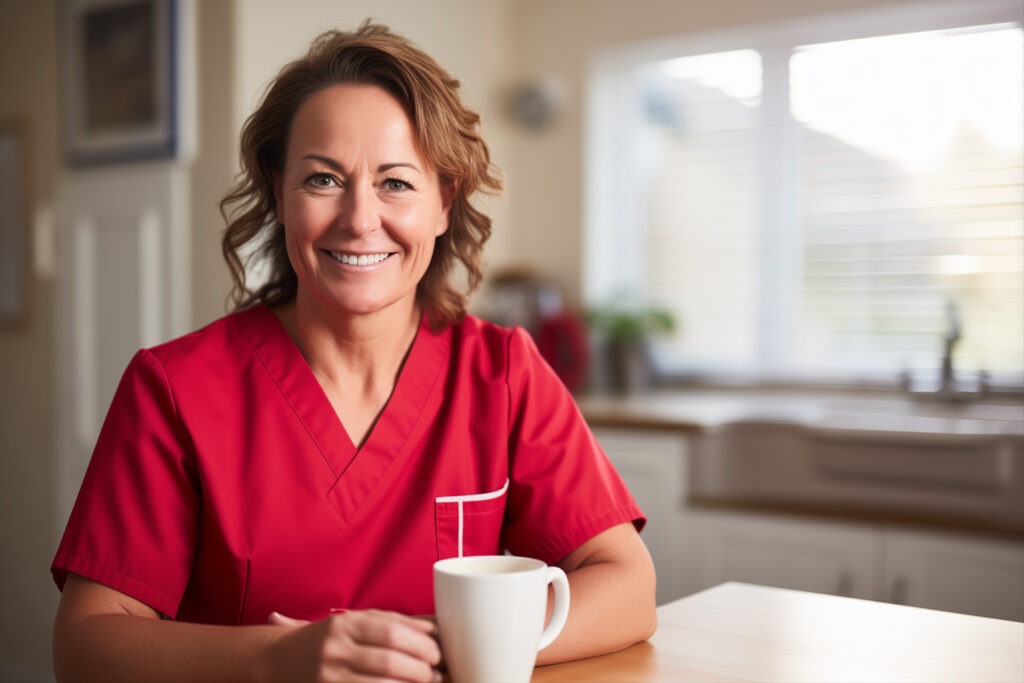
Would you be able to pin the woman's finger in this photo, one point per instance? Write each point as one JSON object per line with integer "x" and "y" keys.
{"x": 391, "y": 664}
{"x": 425, "y": 624}
{"x": 394, "y": 631}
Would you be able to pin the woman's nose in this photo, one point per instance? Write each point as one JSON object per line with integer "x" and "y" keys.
{"x": 359, "y": 212}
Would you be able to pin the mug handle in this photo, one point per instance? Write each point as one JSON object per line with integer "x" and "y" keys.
{"x": 556, "y": 577}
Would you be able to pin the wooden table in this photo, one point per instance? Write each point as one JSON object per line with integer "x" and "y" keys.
{"x": 741, "y": 632}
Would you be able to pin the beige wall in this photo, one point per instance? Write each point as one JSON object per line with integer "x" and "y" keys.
{"x": 28, "y": 91}
{"x": 215, "y": 160}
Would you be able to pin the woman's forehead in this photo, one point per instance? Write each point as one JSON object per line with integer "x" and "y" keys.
{"x": 353, "y": 119}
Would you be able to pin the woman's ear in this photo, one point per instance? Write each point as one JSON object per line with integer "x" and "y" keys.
{"x": 448, "y": 192}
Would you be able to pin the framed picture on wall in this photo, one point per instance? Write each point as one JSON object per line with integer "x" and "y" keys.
{"x": 14, "y": 225}
{"x": 119, "y": 80}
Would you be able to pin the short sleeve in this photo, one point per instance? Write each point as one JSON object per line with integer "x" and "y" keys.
{"x": 563, "y": 490}
{"x": 134, "y": 525}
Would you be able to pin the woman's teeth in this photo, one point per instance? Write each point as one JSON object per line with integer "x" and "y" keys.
{"x": 358, "y": 260}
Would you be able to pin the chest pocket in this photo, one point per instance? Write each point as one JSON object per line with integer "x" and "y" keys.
{"x": 470, "y": 524}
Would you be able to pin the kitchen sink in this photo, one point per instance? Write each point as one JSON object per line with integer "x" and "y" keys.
{"x": 928, "y": 466}
{"x": 870, "y": 453}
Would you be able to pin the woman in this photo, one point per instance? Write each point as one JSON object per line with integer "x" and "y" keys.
{"x": 268, "y": 494}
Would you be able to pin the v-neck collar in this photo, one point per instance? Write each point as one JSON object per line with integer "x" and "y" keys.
{"x": 356, "y": 472}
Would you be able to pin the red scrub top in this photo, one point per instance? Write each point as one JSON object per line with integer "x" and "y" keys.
{"x": 224, "y": 487}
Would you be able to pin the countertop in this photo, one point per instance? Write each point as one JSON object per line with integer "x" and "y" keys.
{"x": 710, "y": 410}
{"x": 868, "y": 458}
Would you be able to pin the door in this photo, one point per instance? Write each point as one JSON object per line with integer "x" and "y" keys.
{"x": 123, "y": 285}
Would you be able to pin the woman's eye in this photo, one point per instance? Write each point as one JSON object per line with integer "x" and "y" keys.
{"x": 321, "y": 181}
{"x": 396, "y": 185}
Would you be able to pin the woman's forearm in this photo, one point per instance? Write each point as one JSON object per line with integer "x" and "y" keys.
{"x": 103, "y": 635}
{"x": 125, "y": 647}
{"x": 612, "y": 603}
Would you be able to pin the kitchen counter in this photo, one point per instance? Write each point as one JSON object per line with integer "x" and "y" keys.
{"x": 708, "y": 410}
{"x": 865, "y": 457}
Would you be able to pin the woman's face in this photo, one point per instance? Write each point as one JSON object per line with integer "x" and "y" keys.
{"x": 361, "y": 207}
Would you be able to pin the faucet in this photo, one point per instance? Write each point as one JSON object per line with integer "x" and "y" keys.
{"x": 947, "y": 385}
{"x": 950, "y": 389}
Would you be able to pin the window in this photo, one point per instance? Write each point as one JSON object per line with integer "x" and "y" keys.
{"x": 818, "y": 199}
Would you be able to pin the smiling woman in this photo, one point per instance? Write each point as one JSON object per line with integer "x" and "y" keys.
{"x": 445, "y": 137}
{"x": 362, "y": 208}
{"x": 306, "y": 460}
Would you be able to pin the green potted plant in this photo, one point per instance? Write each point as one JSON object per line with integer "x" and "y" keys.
{"x": 624, "y": 332}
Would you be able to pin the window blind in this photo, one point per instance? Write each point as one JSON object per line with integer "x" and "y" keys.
{"x": 910, "y": 198}
{"x": 814, "y": 208}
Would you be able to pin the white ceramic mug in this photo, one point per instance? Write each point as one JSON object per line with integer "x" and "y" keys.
{"x": 490, "y": 613}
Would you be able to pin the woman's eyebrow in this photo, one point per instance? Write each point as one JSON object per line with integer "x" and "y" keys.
{"x": 336, "y": 165}
{"x": 383, "y": 168}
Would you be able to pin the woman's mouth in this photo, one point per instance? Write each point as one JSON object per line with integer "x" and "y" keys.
{"x": 357, "y": 259}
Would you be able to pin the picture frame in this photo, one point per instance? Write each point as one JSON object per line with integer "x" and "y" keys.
{"x": 15, "y": 234}
{"x": 119, "y": 81}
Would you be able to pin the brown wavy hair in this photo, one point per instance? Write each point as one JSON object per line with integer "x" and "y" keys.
{"x": 448, "y": 135}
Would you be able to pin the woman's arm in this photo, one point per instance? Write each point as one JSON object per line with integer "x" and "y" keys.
{"x": 103, "y": 635}
{"x": 611, "y": 596}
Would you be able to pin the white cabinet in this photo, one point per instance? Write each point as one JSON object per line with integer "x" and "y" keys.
{"x": 955, "y": 573}
{"x": 787, "y": 552}
{"x": 653, "y": 465}
{"x": 698, "y": 547}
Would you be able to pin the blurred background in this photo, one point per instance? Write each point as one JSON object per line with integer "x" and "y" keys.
{"x": 774, "y": 247}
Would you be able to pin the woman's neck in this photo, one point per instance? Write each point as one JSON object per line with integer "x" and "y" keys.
{"x": 356, "y": 351}
{"x": 355, "y": 359}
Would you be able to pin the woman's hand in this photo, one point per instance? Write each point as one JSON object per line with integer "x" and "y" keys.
{"x": 358, "y": 645}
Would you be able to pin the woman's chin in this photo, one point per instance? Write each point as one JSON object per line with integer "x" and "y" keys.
{"x": 368, "y": 306}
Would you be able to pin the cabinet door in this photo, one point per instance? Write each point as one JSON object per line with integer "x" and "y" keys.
{"x": 786, "y": 552}
{"x": 955, "y": 573}
{"x": 653, "y": 465}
